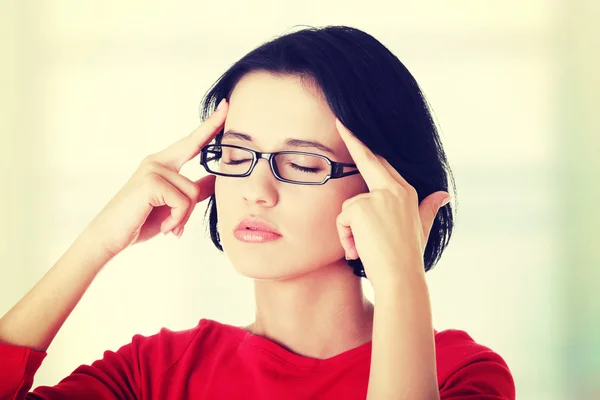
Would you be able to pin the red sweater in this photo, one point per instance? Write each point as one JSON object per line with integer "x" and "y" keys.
{"x": 220, "y": 361}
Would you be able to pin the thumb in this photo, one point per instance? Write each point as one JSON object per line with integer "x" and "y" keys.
{"x": 429, "y": 208}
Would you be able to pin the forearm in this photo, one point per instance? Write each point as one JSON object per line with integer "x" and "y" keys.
{"x": 36, "y": 319}
{"x": 403, "y": 353}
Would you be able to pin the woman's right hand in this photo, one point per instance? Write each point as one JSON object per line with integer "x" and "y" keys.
{"x": 157, "y": 198}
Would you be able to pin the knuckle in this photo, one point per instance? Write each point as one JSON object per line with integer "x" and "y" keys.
{"x": 195, "y": 192}
{"x": 380, "y": 194}
{"x": 347, "y": 202}
{"x": 183, "y": 207}
{"x": 412, "y": 192}
{"x": 149, "y": 163}
{"x": 352, "y": 201}
{"x": 150, "y": 167}
{"x": 211, "y": 123}
{"x": 371, "y": 157}
{"x": 149, "y": 159}
{"x": 154, "y": 179}
{"x": 396, "y": 191}
{"x": 362, "y": 203}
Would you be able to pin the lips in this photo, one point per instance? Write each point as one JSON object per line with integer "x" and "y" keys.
{"x": 256, "y": 224}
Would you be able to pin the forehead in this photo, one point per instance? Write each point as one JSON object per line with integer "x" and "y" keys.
{"x": 272, "y": 108}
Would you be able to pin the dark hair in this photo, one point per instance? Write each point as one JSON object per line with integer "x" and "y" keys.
{"x": 373, "y": 94}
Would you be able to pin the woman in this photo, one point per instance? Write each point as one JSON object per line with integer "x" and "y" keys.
{"x": 353, "y": 184}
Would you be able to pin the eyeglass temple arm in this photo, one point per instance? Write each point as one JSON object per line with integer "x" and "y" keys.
{"x": 338, "y": 170}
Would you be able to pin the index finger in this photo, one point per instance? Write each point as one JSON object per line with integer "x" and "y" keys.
{"x": 373, "y": 172}
{"x": 189, "y": 146}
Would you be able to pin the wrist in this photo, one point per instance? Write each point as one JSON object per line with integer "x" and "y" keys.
{"x": 89, "y": 251}
{"x": 403, "y": 278}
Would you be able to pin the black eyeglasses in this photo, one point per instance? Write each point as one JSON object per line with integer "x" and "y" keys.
{"x": 287, "y": 166}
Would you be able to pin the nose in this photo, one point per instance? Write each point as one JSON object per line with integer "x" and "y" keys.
{"x": 261, "y": 185}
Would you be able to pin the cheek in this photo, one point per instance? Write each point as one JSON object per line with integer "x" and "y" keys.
{"x": 330, "y": 205}
{"x": 219, "y": 195}
{"x": 319, "y": 213}
{"x": 219, "y": 185}
{"x": 224, "y": 188}
{"x": 223, "y": 195}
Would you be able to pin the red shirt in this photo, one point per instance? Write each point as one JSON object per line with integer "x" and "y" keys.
{"x": 220, "y": 361}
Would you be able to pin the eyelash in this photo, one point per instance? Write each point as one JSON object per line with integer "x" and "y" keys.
{"x": 304, "y": 169}
{"x": 296, "y": 166}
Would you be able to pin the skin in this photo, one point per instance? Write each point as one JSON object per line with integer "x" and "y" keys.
{"x": 389, "y": 228}
{"x": 307, "y": 298}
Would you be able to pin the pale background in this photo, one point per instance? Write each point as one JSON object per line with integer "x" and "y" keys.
{"x": 88, "y": 88}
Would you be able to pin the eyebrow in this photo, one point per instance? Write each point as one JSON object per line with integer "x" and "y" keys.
{"x": 289, "y": 142}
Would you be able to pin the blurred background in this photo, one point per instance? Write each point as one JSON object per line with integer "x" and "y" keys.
{"x": 87, "y": 89}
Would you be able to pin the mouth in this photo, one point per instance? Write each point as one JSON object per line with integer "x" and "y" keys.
{"x": 256, "y": 229}
{"x": 255, "y": 224}
{"x": 254, "y": 235}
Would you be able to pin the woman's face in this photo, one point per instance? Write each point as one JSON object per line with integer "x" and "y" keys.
{"x": 271, "y": 109}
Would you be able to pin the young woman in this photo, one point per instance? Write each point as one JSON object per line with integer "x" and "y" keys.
{"x": 326, "y": 167}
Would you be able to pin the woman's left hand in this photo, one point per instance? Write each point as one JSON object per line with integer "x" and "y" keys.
{"x": 385, "y": 227}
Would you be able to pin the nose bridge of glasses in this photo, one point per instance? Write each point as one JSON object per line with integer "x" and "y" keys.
{"x": 268, "y": 158}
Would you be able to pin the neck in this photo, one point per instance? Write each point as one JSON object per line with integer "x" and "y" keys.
{"x": 318, "y": 315}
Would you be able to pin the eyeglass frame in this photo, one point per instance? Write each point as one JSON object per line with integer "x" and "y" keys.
{"x": 336, "y": 171}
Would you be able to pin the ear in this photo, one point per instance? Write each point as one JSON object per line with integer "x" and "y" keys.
{"x": 429, "y": 208}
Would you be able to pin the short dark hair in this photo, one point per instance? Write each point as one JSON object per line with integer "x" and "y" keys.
{"x": 373, "y": 94}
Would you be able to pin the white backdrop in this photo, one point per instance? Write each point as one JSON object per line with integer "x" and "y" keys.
{"x": 90, "y": 88}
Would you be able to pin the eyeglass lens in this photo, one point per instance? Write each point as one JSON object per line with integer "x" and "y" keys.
{"x": 294, "y": 167}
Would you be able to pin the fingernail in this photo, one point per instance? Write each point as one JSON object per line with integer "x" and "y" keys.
{"x": 221, "y": 104}
{"x": 175, "y": 231}
{"x": 446, "y": 201}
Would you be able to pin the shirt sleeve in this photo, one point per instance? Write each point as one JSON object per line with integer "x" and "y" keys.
{"x": 471, "y": 371}
{"x": 125, "y": 374}
{"x": 115, "y": 376}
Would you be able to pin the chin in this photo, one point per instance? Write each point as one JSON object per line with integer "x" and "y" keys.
{"x": 264, "y": 272}
{"x": 266, "y": 267}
